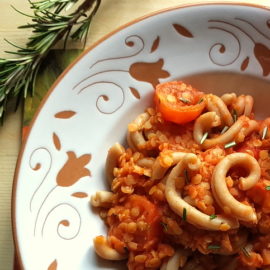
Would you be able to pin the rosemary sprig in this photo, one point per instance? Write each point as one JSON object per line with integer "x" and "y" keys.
{"x": 50, "y": 23}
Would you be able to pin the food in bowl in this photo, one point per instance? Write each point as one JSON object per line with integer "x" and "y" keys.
{"x": 192, "y": 189}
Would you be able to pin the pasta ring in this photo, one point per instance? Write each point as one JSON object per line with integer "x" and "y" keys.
{"x": 102, "y": 198}
{"x": 220, "y": 190}
{"x": 238, "y": 131}
{"x": 112, "y": 159}
{"x": 243, "y": 105}
{"x": 216, "y": 104}
{"x": 177, "y": 204}
{"x": 135, "y": 137}
{"x": 159, "y": 170}
{"x": 229, "y": 98}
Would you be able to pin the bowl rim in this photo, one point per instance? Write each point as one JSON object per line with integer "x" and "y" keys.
{"x": 17, "y": 254}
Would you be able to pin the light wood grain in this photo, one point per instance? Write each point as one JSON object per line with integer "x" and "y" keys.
{"x": 112, "y": 14}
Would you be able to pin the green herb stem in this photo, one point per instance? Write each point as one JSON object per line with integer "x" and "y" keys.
{"x": 224, "y": 129}
{"x": 204, "y": 137}
{"x": 230, "y": 144}
{"x": 187, "y": 180}
{"x": 49, "y": 25}
{"x": 212, "y": 217}
{"x": 245, "y": 252}
{"x": 184, "y": 217}
{"x": 186, "y": 101}
{"x": 213, "y": 247}
{"x": 265, "y": 131}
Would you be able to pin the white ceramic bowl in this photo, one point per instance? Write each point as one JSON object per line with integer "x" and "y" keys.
{"x": 216, "y": 47}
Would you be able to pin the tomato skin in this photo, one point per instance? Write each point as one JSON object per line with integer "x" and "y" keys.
{"x": 260, "y": 195}
{"x": 149, "y": 214}
{"x": 175, "y": 110}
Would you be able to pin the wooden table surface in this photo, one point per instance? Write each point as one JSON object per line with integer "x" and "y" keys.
{"x": 112, "y": 14}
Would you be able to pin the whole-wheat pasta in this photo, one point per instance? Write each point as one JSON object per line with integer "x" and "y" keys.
{"x": 112, "y": 159}
{"x": 105, "y": 251}
{"x": 178, "y": 204}
{"x": 237, "y": 132}
{"x": 216, "y": 104}
{"x": 220, "y": 190}
{"x": 102, "y": 198}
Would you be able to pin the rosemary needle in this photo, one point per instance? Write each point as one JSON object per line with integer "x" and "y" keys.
{"x": 213, "y": 247}
{"x": 245, "y": 252}
{"x": 265, "y": 131}
{"x": 204, "y": 137}
{"x": 186, "y": 177}
{"x": 184, "y": 217}
{"x": 224, "y": 129}
{"x": 235, "y": 116}
{"x": 230, "y": 144}
{"x": 184, "y": 100}
{"x": 200, "y": 101}
{"x": 164, "y": 226}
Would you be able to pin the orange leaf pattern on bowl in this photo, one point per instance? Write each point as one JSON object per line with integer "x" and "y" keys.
{"x": 135, "y": 92}
{"x": 65, "y": 114}
{"x": 260, "y": 51}
{"x": 79, "y": 195}
{"x": 244, "y": 64}
{"x": 149, "y": 72}
{"x": 53, "y": 265}
{"x": 56, "y": 141}
{"x": 182, "y": 30}
{"x": 73, "y": 170}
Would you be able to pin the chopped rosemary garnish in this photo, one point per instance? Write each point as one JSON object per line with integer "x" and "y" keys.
{"x": 213, "y": 247}
{"x": 184, "y": 100}
{"x": 265, "y": 131}
{"x": 230, "y": 144}
{"x": 245, "y": 252}
{"x": 267, "y": 187}
{"x": 224, "y": 129}
{"x": 200, "y": 101}
{"x": 164, "y": 226}
{"x": 235, "y": 116}
{"x": 212, "y": 217}
{"x": 184, "y": 217}
{"x": 204, "y": 137}
{"x": 186, "y": 177}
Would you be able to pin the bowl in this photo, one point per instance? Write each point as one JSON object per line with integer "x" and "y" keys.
{"x": 215, "y": 47}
